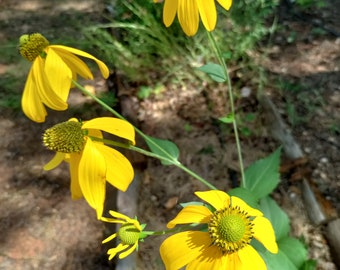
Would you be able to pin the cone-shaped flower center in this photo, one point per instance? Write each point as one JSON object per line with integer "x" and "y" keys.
{"x": 230, "y": 229}
{"x": 66, "y": 137}
{"x": 33, "y": 45}
{"x": 128, "y": 234}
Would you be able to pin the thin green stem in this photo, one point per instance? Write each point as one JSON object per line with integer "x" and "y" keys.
{"x": 168, "y": 157}
{"x": 231, "y": 100}
{"x": 174, "y": 230}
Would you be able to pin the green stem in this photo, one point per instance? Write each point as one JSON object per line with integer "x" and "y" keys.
{"x": 168, "y": 159}
{"x": 231, "y": 99}
{"x": 174, "y": 230}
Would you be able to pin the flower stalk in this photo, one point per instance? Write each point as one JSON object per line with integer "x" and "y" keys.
{"x": 231, "y": 101}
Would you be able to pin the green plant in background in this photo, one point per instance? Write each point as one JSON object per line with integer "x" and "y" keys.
{"x": 302, "y": 101}
{"x": 311, "y": 3}
{"x": 137, "y": 45}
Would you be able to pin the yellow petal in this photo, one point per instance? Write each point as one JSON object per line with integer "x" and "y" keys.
{"x": 58, "y": 74}
{"x": 211, "y": 258}
{"x": 75, "y": 63}
{"x": 118, "y": 215}
{"x": 92, "y": 170}
{"x": 103, "y": 68}
{"x": 55, "y": 161}
{"x": 188, "y": 16}
{"x": 119, "y": 171}
{"x": 216, "y": 198}
{"x": 191, "y": 214}
{"x": 128, "y": 252}
{"x": 233, "y": 261}
{"x": 235, "y": 201}
{"x": 182, "y": 248}
{"x": 31, "y": 103}
{"x": 250, "y": 259}
{"x": 264, "y": 233}
{"x": 115, "y": 126}
{"x": 111, "y": 237}
{"x": 226, "y": 4}
{"x": 113, "y": 251}
{"x": 169, "y": 11}
{"x": 74, "y": 160}
{"x": 96, "y": 134}
{"x": 47, "y": 95}
{"x": 207, "y": 11}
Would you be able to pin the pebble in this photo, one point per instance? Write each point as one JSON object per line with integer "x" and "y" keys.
{"x": 324, "y": 160}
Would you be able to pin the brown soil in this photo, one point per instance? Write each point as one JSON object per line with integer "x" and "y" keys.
{"x": 42, "y": 228}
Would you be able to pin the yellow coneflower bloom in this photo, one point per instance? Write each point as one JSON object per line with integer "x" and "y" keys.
{"x": 91, "y": 162}
{"x": 189, "y": 12}
{"x": 226, "y": 242}
{"x": 129, "y": 234}
{"x": 50, "y": 78}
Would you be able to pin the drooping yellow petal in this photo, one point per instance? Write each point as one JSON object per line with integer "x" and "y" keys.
{"x": 103, "y": 68}
{"x": 188, "y": 16}
{"x": 31, "y": 103}
{"x": 250, "y": 259}
{"x": 74, "y": 161}
{"x": 207, "y": 11}
{"x": 216, "y": 198}
{"x": 108, "y": 239}
{"x": 55, "y": 161}
{"x": 128, "y": 252}
{"x": 264, "y": 233}
{"x": 182, "y": 248}
{"x": 235, "y": 201}
{"x": 92, "y": 171}
{"x": 118, "y": 215}
{"x": 169, "y": 11}
{"x": 50, "y": 98}
{"x": 119, "y": 171}
{"x": 191, "y": 214}
{"x": 211, "y": 258}
{"x": 113, "y": 251}
{"x": 75, "y": 63}
{"x": 115, "y": 126}
{"x": 121, "y": 218}
{"x": 47, "y": 95}
{"x": 226, "y": 4}
{"x": 58, "y": 74}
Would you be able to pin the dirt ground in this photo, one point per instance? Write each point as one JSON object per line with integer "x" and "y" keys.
{"x": 42, "y": 228}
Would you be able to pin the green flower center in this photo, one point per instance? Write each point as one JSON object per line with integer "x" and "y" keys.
{"x": 230, "y": 229}
{"x": 33, "y": 45}
{"x": 128, "y": 234}
{"x": 66, "y": 137}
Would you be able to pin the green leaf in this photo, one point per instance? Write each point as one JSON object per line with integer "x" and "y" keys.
{"x": 277, "y": 261}
{"x": 277, "y": 217}
{"x": 292, "y": 255}
{"x": 245, "y": 195}
{"x": 227, "y": 119}
{"x": 294, "y": 250}
{"x": 309, "y": 265}
{"x": 262, "y": 177}
{"x": 215, "y": 72}
{"x": 163, "y": 148}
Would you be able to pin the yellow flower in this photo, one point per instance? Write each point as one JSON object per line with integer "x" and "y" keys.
{"x": 189, "y": 11}
{"x": 225, "y": 244}
{"x": 91, "y": 162}
{"x": 129, "y": 234}
{"x": 50, "y": 78}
